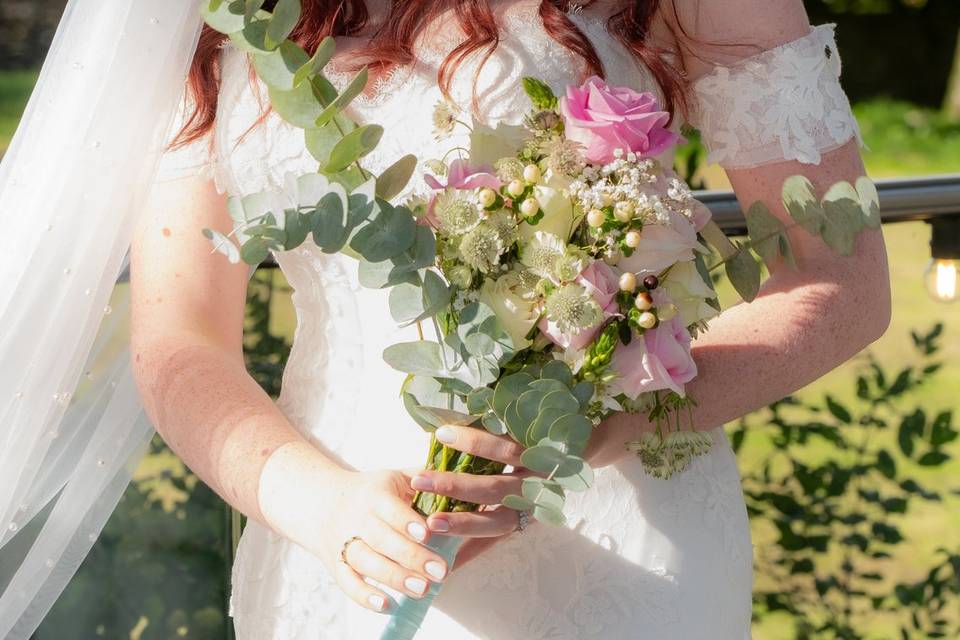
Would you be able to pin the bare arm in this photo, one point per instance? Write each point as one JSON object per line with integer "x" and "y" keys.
{"x": 187, "y": 331}
{"x": 804, "y": 322}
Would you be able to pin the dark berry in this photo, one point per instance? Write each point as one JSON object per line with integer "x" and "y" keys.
{"x": 651, "y": 282}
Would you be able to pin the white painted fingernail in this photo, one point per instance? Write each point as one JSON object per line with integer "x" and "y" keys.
{"x": 376, "y": 601}
{"x": 417, "y": 530}
{"x": 415, "y": 584}
{"x": 435, "y": 569}
{"x": 439, "y": 524}
{"x": 446, "y": 435}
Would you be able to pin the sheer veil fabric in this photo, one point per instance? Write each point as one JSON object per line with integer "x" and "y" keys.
{"x": 78, "y": 170}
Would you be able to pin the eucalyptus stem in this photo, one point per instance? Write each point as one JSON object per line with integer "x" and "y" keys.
{"x": 751, "y": 243}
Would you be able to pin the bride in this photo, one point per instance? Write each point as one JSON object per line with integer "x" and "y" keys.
{"x": 326, "y": 474}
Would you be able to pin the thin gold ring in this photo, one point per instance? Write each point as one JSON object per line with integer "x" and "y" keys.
{"x": 343, "y": 551}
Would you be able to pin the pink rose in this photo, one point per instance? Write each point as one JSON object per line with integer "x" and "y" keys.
{"x": 603, "y": 118}
{"x": 662, "y": 245}
{"x": 602, "y": 283}
{"x": 460, "y": 176}
{"x": 660, "y": 359}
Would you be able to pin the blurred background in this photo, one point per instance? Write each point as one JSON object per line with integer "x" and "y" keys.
{"x": 853, "y": 484}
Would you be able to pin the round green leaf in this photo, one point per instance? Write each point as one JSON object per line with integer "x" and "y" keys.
{"x": 387, "y": 233}
{"x": 353, "y": 146}
{"x": 542, "y": 458}
{"x": 493, "y": 424}
{"x": 279, "y": 67}
{"x": 519, "y": 503}
{"x": 509, "y": 389}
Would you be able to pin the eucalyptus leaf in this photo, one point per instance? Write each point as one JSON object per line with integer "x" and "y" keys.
{"x": 321, "y": 57}
{"x": 329, "y": 221}
{"x": 802, "y": 204}
{"x": 438, "y": 416}
{"x": 518, "y": 503}
{"x": 225, "y": 17}
{"x": 540, "y": 428}
{"x": 493, "y": 424}
{"x": 478, "y": 402}
{"x": 412, "y": 302}
{"x": 399, "y": 268}
{"x": 574, "y": 428}
{"x": 254, "y": 251}
{"x": 279, "y": 67}
{"x": 508, "y": 389}
{"x": 844, "y": 217}
{"x": 387, "y": 233}
{"x": 353, "y": 146}
{"x": 419, "y": 358}
{"x": 547, "y": 493}
{"x": 542, "y": 458}
{"x": 547, "y": 385}
{"x": 395, "y": 177}
{"x": 768, "y": 235}
{"x": 286, "y": 15}
{"x": 549, "y": 515}
{"x": 560, "y": 399}
{"x": 253, "y": 37}
{"x": 351, "y": 91}
{"x": 300, "y": 106}
{"x": 574, "y": 474}
{"x": 558, "y": 370}
{"x": 223, "y": 244}
{"x": 869, "y": 201}
{"x": 744, "y": 273}
{"x": 583, "y": 392}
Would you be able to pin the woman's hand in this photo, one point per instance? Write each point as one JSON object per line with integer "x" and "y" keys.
{"x": 490, "y": 525}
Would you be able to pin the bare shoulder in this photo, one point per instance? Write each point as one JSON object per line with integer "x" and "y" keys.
{"x": 716, "y": 32}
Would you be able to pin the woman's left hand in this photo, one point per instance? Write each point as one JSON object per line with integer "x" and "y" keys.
{"x": 491, "y": 524}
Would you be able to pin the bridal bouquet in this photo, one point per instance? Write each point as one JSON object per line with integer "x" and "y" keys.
{"x": 560, "y": 268}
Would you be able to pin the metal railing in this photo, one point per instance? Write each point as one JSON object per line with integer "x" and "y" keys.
{"x": 901, "y": 200}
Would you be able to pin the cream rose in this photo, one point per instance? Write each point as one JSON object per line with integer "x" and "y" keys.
{"x": 689, "y": 292}
{"x": 558, "y": 213}
{"x": 514, "y": 304}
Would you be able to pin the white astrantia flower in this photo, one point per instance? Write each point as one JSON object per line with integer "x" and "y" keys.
{"x": 506, "y": 225}
{"x": 541, "y": 254}
{"x": 481, "y": 247}
{"x": 444, "y": 119}
{"x": 572, "y": 308}
{"x": 457, "y": 212}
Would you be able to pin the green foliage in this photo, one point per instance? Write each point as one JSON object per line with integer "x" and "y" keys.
{"x": 839, "y": 520}
{"x": 541, "y": 95}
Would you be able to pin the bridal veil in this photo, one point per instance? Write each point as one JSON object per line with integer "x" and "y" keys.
{"x": 78, "y": 171}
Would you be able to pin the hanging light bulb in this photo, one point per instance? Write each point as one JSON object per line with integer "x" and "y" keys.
{"x": 942, "y": 275}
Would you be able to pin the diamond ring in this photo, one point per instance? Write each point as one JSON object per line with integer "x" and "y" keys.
{"x": 522, "y": 518}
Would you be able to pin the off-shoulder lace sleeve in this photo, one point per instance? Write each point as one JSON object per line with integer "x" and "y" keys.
{"x": 785, "y": 103}
{"x": 196, "y": 158}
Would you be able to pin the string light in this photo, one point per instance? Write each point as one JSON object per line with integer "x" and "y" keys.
{"x": 942, "y": 275}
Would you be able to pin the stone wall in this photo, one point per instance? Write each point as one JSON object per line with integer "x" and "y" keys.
{"x": 26, "y": 29}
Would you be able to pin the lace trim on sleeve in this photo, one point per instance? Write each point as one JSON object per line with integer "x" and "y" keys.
{"x": 785, "y": 103}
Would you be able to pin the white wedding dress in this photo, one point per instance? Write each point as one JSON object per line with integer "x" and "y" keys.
{"x": 639, "y": 558}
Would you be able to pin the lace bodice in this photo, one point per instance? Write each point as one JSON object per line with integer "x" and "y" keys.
{"x": 639, "y": 557}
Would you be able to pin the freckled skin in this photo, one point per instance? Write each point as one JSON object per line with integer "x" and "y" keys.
{"x": 166, "y": 232}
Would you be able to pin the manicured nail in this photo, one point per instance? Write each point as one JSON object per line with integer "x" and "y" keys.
{"x": 435, "y": 569}
{"x": 415, "y": 584}
{"x": 417, "y": 530}
{"x": 376, "y": 601}
{"x": 446, "y": 435}
{"x": 423, "y": 483}
{"x": 439, "y": 524}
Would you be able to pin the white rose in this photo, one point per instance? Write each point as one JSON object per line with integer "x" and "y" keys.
{"x": 514, "y": 305}
{"x": 689, "y": 292}
{"x": 487, "y": 145}
{"x": 558, "y": 214}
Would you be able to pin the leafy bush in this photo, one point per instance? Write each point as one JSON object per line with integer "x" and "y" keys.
{"x": 837, "y": 487}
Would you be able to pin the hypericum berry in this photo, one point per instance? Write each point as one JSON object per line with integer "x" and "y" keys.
{"x": 643, "y": 302}
{"x": 531, "y": 173}
{"x": 595, "y": 218}
{"x": 628, "y": 282}
{"x": 651, "y": 282}
{"x": 623, "y": 211}
{"x": 647, "y": 320}
{"x": 515, "y": 188}
{"x": 487, "y": 197}
{"x": 529, "y": 207}
{"x": 632, "y": 239}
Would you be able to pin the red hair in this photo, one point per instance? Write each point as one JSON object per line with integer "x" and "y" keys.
{"x": 393, "y": 44}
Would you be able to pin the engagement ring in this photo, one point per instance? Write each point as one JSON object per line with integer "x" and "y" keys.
{"x": 522, "y": 518}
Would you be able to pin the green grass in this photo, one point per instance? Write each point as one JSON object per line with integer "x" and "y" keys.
{"x": 15, "y": 88}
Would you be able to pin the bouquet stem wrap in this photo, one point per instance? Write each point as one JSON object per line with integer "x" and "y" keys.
{"x": 408, "y": 614}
